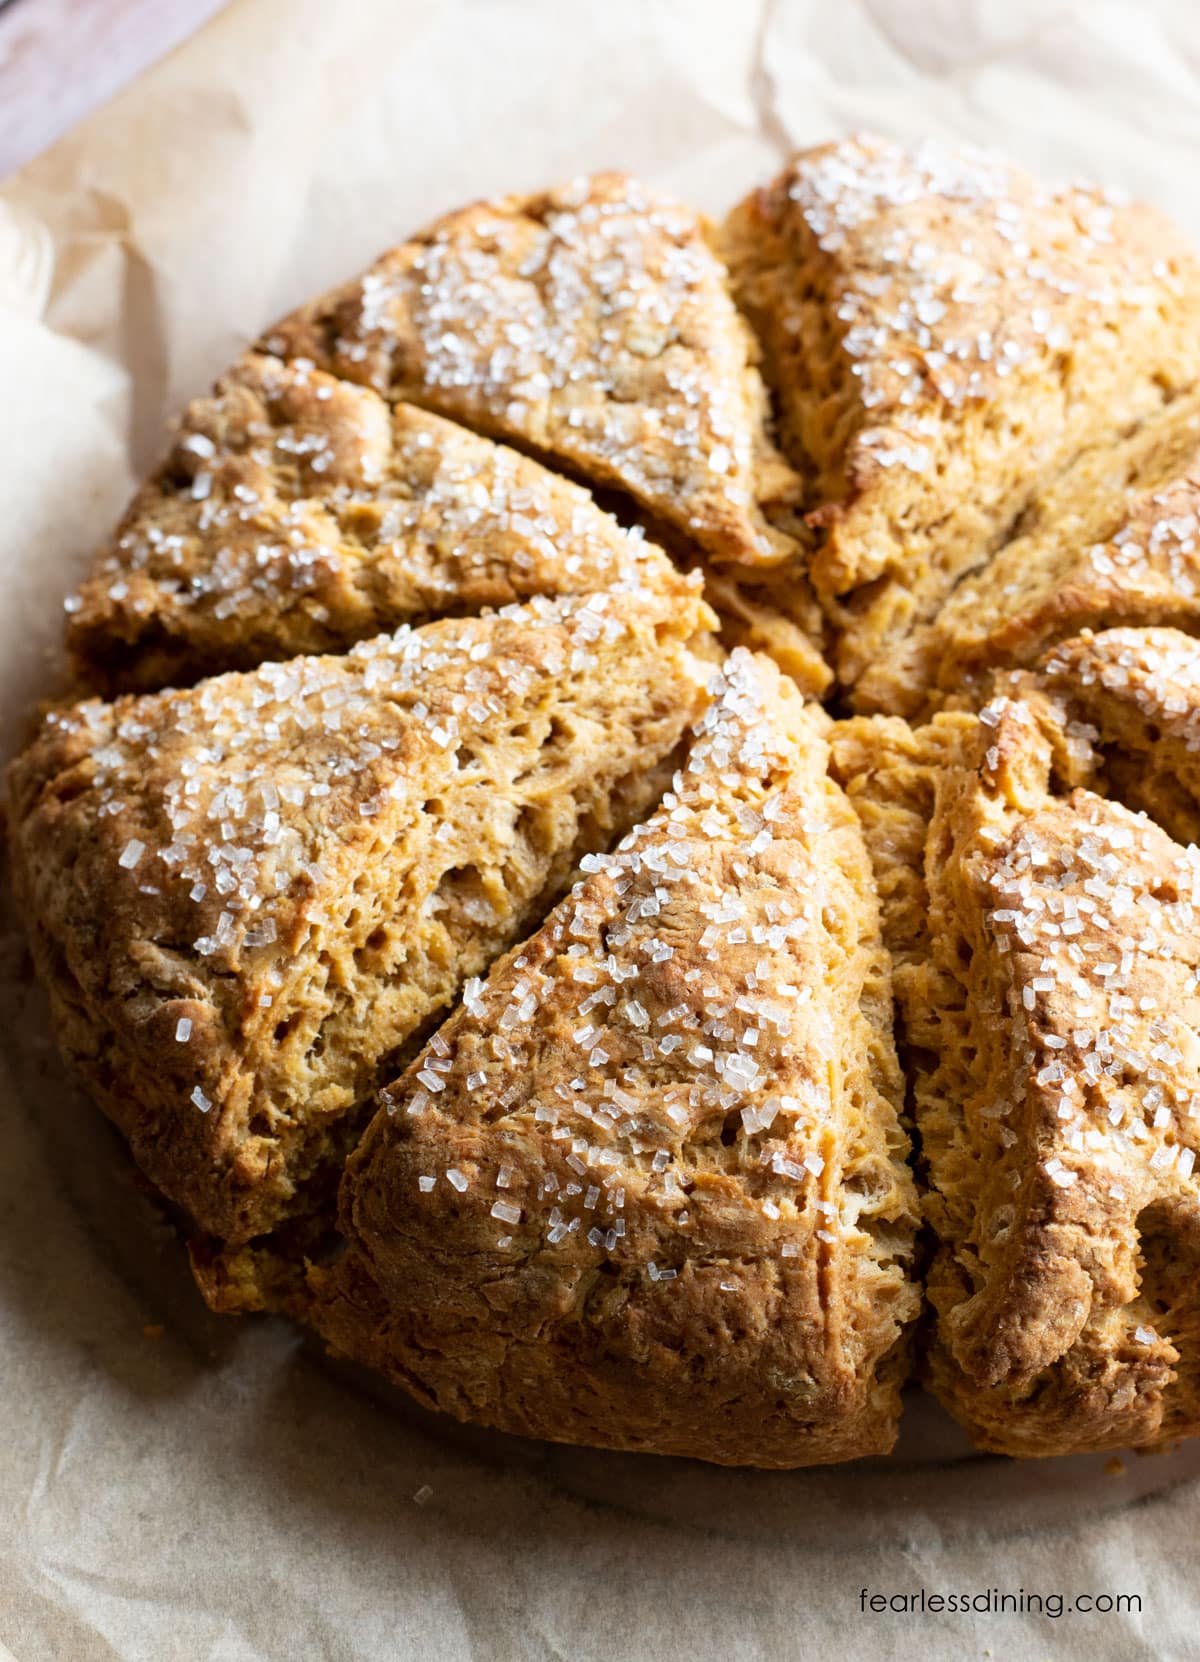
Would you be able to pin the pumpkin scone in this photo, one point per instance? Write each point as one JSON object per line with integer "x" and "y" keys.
{"x": 647, "y": 1188}
{"x": 1048, "y": 960}
{"x": 593, "y": 324}
{"x": 248, "y": 898}
{"x": 297, "y": 512}
{"x": 943, "y": 335}
{"x": 1115, "y": 540}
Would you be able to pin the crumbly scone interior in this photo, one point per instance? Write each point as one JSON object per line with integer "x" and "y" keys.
{"x": 774, "y": 612}
{"x": 250, "y": 897}
{"x": 648, "y": 1185}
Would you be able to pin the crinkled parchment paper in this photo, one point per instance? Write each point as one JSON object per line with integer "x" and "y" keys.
{"x": 218, "y": 1490}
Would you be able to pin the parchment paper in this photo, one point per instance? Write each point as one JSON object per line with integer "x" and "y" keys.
{"x": 218, "y": 1490}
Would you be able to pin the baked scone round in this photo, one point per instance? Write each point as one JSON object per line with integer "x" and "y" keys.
{"x": 507, "y": 973}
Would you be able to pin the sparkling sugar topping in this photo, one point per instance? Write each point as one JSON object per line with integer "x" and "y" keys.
{"x": 1157, "y": 671}
{"x": 671, "y": 1022}
{"x": 262, "y": 770}
{"x": 955, "y": 269}
{"x": 1097, "y": 913}
{"x": 594, "y": 322}
{"x": 287, "y": 480}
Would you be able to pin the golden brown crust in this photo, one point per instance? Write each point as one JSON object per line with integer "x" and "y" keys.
{"x": 647, "y": 1187}
{"x": 943, "y": 336}
{"x": 300, "y": 513}
{"x": 248, "y": 898}
{"x": 592, "y": 323}
{"x": 1048, "y": 961}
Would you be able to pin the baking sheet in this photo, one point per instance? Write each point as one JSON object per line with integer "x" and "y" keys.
{"x": 174, "y": 1485}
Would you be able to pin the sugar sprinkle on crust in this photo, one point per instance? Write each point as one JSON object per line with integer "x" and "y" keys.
{"x": 298, "y": 513}
{"x": 1048, "y": 947}
{"x": 1139, "y": 690}
{"x": 296, "y": 868}
{"x": 592, "y": 323}
{"x": 1116, "y": 540}
{"x": 647, "y": 1188}
{"x": 943, "y": 335}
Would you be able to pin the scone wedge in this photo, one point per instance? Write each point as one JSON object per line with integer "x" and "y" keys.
{"x": 300, "y": 513}
{"x": 1048, "y": 973}
{"x": 647, "y": 1188}
{"x": 592, "y": 324}
{"x": 247, "y": 899}
{"x": 943, "y": 336}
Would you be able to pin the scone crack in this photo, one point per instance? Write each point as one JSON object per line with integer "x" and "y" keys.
{"x": 1114, "y": 541}
{"x": 1047, "y": 941}
{"x": 297, "y": 867}
{"x": 298, "y": 512}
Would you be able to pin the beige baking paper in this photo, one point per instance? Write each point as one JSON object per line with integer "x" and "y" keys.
{"x": 218, "y": 1490}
